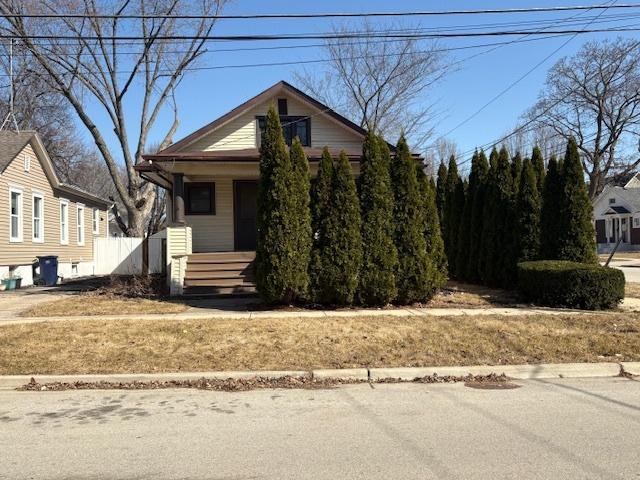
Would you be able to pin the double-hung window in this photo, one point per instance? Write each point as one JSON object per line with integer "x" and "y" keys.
{"x": 80, "y": 224}
{"x": 15, "y": 214}
{"x": 37, "y": 218}
{"x": 96, "y": 221}
{"x": 292, "y": 127}
{"x": 64, "y": 222}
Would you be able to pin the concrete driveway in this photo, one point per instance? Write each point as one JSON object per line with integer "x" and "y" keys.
{"x": 587, "y": 429}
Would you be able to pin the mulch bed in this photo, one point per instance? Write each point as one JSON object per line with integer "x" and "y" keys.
{"x": 242, "y": 385}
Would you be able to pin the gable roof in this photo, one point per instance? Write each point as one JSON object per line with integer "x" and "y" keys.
{"x": 12, "y": 143}
{"x": 630, "y": 196}
{"x": 263, "y": 96}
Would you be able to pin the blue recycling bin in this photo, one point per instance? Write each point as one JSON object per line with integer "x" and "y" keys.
{"x": 49, "y": 269}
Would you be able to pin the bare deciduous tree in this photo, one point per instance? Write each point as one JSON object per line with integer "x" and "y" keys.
{"x": 440, "y": 152}
{"x": 594, "y": 96}
{"x": 132, "y": 84}
{"x": 379, "y": 84}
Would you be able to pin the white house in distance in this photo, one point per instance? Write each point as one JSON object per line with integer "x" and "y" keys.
{"x": 617, "y": 215}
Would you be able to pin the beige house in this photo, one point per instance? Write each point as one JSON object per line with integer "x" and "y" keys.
{"x": 212, "y": 175}
{"x": 41, "y": 215}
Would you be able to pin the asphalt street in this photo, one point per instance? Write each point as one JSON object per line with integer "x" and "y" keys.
{"x": 586, "y": 429}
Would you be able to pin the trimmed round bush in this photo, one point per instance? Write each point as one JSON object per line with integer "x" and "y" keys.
{"x": 557, "y": 283}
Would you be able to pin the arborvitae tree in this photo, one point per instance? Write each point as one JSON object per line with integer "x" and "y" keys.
{"x": 415, "y": 269}
{"x": 464, "y": 232}
{"x": 577, "y": 235}
{"x": 528, "y": 209}
{"x": 377, "y": 281}
{"x": 479, "y": 179}
{"x": 302, "y": 227}
{"x": 320, "y": 224}
{"x": 454, "y": 204}
{"x": 432, "y": 234}
{"x": 343, "y": 252}
{"x": 549, "y": 217}
{"x": 516, "y": 169}
{"x": 441, "y": 195}
{"x": 276, "y": 273}
{"x": 499, "y": 245}
{"x": 538, "y": 167}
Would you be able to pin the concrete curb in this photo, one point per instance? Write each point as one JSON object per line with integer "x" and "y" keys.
{"x": 631, "y": 367}
{"x": 520, "y": 372}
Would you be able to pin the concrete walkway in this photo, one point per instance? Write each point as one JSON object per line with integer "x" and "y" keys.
{"x": 212, "y": 314}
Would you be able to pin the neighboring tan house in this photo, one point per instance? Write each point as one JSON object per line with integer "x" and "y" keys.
{"x": 617, "y": 215}
{"x": 212, "y": 177}
{"x": 41, "y": 215}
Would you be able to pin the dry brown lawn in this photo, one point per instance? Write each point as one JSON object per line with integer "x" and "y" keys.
{"x": 94, "y": 346}
{"x": 90, "y": 304}
{"x": 466, "y": 295}
{"x": 632, "y": 290}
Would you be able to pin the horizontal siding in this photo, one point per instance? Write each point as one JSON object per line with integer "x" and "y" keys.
{"x": 241, "y": 132}
{"x": 35, "y": 180}
{"x": 214, "y": 233}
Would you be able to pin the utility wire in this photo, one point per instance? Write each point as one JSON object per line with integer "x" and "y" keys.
{"x": 287, "y": 16}
{"x": 518, "y": 80}
{"x": 322, "y": 36}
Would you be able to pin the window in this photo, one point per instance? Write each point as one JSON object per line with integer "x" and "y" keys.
{"x": 282, "y": 106}
{"x": 15, "y": 221}
{"x": 27, "y": 163}
{"x": 612, "y": 201}
{"x": 37, "y": 218}
{"x": 80, "y": 225}
{"x": 636, "y": 222}
{"x": 200, "y": 198}
{"x": 96, "y": 221}
{"x": 292, "y": 127}
{"x": 64, "y": 222}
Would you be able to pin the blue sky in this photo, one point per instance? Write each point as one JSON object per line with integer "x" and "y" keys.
{"x": 204, "y": 95}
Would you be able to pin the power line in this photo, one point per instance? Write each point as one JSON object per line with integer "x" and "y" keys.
{"x": 540, "y": 23}
{"x": 286, "y": 16}
{"x": 326, "y": 60}
{"x": 323, "y": 36}
{"x": 519, "y": 79}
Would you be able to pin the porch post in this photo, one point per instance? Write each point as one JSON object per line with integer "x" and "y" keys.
{"x": 178, "y": 199}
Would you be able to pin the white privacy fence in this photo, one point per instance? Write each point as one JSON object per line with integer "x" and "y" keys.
{"x": 125, "y": 255}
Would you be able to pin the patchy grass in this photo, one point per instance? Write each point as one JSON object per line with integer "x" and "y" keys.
{"x": 95, "y": 346}
{"x": 466, "y": 295}
{"x": 632, "y": 290}
{"x": 91, "y": 304}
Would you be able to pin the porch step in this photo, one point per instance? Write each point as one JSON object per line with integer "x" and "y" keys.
{"x": 246, "y": 274}
{"x": 219, "y": 291}
{"x": 222, "y": 257}
{"x": 220, "y": 273}
{"x": 218, "y": 282}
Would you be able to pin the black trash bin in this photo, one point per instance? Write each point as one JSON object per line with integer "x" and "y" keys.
{"x": 49, "y": 269}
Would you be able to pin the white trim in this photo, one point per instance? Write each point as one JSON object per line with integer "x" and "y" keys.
{"x": 40, "y": 238}
{"x": 19, "y": 215}
{"x": 636, "y": 221}
{"x": 80, "y": 224}
{"x": 95, "y": 220}
{"x": 64, "y": 229}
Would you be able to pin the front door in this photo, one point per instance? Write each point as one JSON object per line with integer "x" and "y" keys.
{"x": 245, "y": 206}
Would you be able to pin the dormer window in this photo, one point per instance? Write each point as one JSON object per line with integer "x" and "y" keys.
{"x": 291, "y": 127}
